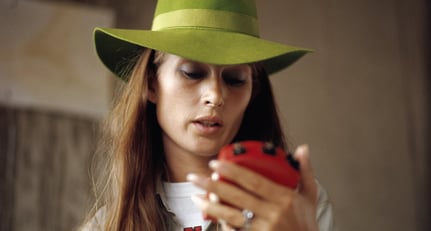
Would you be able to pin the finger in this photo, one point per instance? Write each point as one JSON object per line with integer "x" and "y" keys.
{"x": 251, "y": 181}
{"x": 228, "y": 193}
{"x": 308, "y": 185}
{"x": 225, "y": 226}
{"x": 231, "y": 216}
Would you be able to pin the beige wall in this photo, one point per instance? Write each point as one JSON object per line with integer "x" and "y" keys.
{"x": 50, "y": 63}
{"x": 359, "y": 102}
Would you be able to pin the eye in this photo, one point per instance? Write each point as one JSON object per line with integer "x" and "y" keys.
{"x": 193, "y": 71}
{"x": 235, "y": 78}
{"x": 193, "y": 74}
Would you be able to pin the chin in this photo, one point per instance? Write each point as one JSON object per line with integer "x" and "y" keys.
{"x": 205, "y": 152}
{"x": 208, "y": 149}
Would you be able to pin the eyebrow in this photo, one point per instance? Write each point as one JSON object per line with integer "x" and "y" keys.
{"x": 241, "y": 66}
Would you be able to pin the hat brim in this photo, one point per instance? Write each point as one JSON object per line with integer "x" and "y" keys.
{"x": 115, "y": 47}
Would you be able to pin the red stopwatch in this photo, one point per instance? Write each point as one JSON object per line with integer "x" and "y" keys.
{"x": 264, "y": 158}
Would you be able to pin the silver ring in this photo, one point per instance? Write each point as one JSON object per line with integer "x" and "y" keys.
{"x": 248, "y": 218}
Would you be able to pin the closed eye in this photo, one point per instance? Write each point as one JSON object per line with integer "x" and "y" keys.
{"x": 192, "y": 70}
{"x": 194, "y": 74}
{"x": 235, "y": 78}
{"x": 234, "y": 81}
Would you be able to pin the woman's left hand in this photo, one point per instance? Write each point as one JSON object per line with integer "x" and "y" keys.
{"x": 275, "y": 207}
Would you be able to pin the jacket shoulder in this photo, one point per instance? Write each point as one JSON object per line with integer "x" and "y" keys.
{"x": 97, "y": 222}
{"x": 325, "y": 213}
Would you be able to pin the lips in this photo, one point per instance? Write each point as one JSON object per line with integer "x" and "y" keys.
{"x": 209, "y": 121}
{"x": 208, "y": 125}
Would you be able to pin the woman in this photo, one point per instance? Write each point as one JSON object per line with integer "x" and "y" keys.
{"x": 194, "y": 83}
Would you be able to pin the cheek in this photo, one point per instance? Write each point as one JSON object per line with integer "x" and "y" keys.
{"x": 168, "y": 90}
{"x": 173, "y": 103}
{"x": 168, "y": 113}
{"x": 239, "y": 102}
{"x": 242, "y": 98}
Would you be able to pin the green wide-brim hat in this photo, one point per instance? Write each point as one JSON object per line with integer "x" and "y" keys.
{"x": 220, "y": 32}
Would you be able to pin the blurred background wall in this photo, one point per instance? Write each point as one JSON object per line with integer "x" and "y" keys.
{"x": 361, "y": 101}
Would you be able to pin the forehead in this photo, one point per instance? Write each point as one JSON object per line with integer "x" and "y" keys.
{"x": 171, "y": 59}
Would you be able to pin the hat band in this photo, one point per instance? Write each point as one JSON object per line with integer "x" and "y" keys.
{"x": 222, "y": 20}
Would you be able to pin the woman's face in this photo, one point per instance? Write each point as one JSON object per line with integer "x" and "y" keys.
{"x": 199, "y": 106}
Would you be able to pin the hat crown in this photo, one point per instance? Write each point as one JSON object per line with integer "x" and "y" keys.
{"x": 226, "y": 15}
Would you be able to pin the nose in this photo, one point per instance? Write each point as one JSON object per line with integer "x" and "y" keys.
{"x": 214, "y": 92}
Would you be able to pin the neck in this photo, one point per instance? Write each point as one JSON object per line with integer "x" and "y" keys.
{"x": 178, "y": 165}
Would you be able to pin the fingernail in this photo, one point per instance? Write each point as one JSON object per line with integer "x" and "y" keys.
{"x": 213, "y": 198}
{"x": 214, "y": 164}
{"x": 302, "y": 149}
{"x": 215, "y": 176}
{"x": 192, "y": 177}
{"x": 222, "y": 222}
{"x": 197, "y": 200}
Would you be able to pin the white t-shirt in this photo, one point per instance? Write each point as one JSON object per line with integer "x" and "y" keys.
{"x": 179, "y": 202}
{"x": 178, "y": 199}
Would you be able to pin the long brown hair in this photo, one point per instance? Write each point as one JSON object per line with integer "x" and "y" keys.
{"x": 133, "y": 148}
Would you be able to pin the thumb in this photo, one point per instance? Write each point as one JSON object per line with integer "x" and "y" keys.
{"x": 307, "y": 185}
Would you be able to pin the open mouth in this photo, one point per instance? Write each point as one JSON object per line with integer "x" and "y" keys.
{"x": 208, "y": 123}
